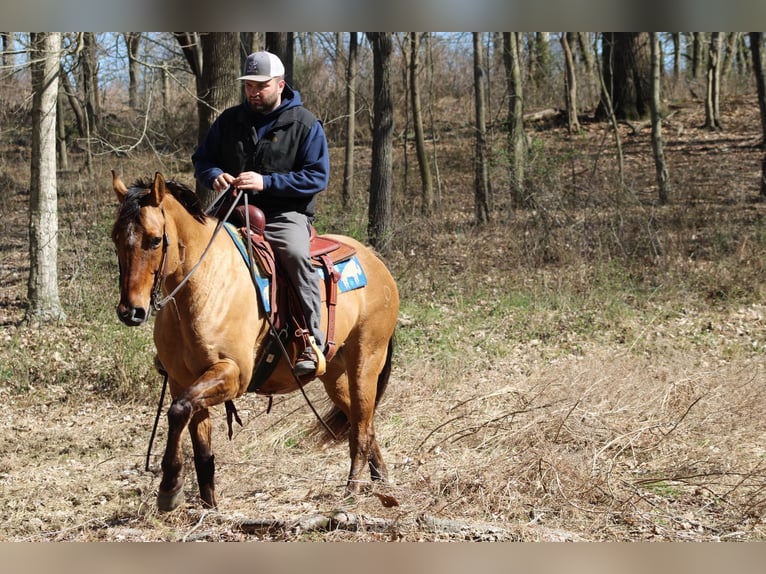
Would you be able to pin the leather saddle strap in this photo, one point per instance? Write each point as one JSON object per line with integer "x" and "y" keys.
{"x": 331, "y": 283}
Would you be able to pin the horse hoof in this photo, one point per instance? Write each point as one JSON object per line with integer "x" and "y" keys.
{"x": 167, "y": 501}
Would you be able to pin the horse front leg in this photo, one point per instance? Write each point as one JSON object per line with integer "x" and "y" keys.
{"x": 171, "y": 492}
{"x": 216, "y": 385}
{"x": 200, "y": 430}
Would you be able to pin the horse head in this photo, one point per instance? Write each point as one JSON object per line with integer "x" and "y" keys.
{"x": 141, "y": 241}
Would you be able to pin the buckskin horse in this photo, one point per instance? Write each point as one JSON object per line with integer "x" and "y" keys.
{"x": 209, "y": 336}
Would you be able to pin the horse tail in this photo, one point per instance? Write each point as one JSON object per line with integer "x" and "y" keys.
{"x": 336, "y": 419}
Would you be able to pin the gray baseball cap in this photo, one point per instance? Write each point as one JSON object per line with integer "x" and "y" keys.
{"x": 262, "y": 66}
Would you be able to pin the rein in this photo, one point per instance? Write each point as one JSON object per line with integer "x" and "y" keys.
{"x": 158, "y": 280}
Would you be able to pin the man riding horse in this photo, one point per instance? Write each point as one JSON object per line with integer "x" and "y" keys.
{"x": 276, "y": 150}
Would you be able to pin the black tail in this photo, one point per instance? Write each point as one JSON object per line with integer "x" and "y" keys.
{"x": 336, "y": 419}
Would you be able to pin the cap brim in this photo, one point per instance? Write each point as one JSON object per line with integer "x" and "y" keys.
{"x": 255, "y": 78}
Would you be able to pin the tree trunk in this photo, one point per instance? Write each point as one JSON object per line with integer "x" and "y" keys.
{"x": 63, "y": 157}
{"x": 626, "y": 73}
{"x": 713, "y": 83}
{"x": 570, "y": 86}
{"x": 89, "y": 68}
{"x": 42, "y": 287}
{"x": 756, "y": 46}
{"x": 432, "y": 123}
{"x": 516, "y": 137}
{"x": 281, "y": 44}
{"x": 663, "y": 181}
{"x": 417, "y": 119}
{"x": 481, "y": 173}
{"x": 698, "y": 40}
{"x": 133, "y": 43}
{"x": 381, "y": 173}
{"x": 351, "y": 71}
{"x": 214, "y": 60}
{"x": 74, "y": 103}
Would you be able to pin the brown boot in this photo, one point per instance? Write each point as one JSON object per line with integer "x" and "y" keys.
{"x": 311, "y": 361}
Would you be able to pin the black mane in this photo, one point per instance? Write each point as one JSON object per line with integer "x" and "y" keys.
{"x": 138, "y": 194}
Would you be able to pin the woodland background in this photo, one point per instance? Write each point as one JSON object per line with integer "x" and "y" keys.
{"x": 581, "y": 335}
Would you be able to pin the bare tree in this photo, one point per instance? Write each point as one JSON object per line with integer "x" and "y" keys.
{"x": 697, "y": 40}
{"x": 417, "y": 119}
{"x": 626, "y": 73}
{"x": 481, "y": 171}
{"x": 756, "y": 47}
{"x": 42, "y": 287}
{"x": 133, "y": 43}
{"x": 351, "y": 72}
{"x": 89, "y": 77}
{"x": 381, "y": 172}
{"x": 663, "y": 181}
{"x": 282, "y": 44}
{"x": 570, "y": 86}
{"x": 516, "y": 137}
{"x": 713, "y": 83}
{"x": 214, "y": 59}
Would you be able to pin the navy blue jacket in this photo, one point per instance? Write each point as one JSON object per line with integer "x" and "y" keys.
{"x": 287, "y": 146}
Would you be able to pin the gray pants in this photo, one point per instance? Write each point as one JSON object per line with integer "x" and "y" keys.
{"x": 289, "y": 234}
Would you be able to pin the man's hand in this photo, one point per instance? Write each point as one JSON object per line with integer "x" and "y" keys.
{"x": 248, "y": 180}
{"x": 222, "y": 182}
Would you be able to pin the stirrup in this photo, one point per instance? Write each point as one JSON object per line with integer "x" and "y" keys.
{"x": 320, "y": 364}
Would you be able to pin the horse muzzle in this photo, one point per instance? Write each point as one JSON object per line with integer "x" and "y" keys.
{"x": 132, "y": 316}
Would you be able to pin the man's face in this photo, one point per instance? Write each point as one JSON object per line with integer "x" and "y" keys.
{"x": 264, "y": 97}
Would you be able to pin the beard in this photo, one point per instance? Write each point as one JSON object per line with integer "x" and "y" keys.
{"x": 264, "y": 105}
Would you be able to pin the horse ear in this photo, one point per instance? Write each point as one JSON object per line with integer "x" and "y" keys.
{"x": 158, "y": 189}
{"x": 119, "y": 188}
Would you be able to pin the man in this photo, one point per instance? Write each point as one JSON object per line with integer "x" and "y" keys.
{"x": 276, "y": 150}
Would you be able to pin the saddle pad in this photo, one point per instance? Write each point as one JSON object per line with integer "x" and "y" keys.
{"x": 352, "y": 275}
{"x": 262, "y": 282}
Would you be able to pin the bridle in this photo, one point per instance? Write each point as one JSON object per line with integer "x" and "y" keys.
{"x": 162, "y": 270}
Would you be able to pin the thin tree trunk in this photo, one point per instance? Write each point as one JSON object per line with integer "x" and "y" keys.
{"x": 42, "y": 287}
{"x": 516, "y": 136}
{"x": 431, "y": 121}
{"x": 381, "y": 173}
{"x": 133, "y": 42}
{"x": 417, "y": 120}
{"x": 351, "y": 71}
{"x": 756, "y": 47}
{"x": 89, "y": 67}
{"x": 481, "y": 173}
{"x": 570, "y": 86}
{"x": 281, "y": 44}
{"x": 606, "y": 102}
{"x": 713, "y": 83}
{"x": 663, "y": 181}
{"x": 61, "y": 131}
{"x": 74, "y": 103}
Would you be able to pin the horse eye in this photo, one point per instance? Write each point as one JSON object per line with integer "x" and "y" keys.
{"x": 155, "y": 242}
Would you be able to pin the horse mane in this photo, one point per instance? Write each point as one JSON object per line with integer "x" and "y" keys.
{"x": 138, "y": 196}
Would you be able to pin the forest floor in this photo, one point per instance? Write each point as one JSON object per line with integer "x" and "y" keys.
{"x": 587, "y": 372}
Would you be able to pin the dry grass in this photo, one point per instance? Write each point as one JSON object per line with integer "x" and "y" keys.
{"x": 589, "y": 370}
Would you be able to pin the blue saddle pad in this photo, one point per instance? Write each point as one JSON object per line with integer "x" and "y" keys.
{"x": 352, "y": 275}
